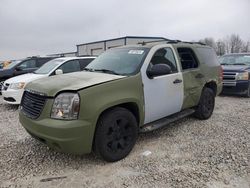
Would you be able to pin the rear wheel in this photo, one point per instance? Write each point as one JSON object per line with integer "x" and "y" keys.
{"x": 206, "y": 104}
{"x": 116, "y": 134}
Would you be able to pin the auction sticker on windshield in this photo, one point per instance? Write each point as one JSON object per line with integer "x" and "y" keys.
{"x": 139, "y": 52}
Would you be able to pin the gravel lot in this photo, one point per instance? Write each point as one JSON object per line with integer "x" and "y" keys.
{"x": 188, "y": 153}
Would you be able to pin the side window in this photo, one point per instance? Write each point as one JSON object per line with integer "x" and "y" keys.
{"x": 42, "y": 61}
{"x": 70, "y": 66}
{"x": 164, "y": 56}
{"x": 29, "y": 64}
{"x": 85, "y": 62}
{"x": 208, "y": 56}
{"x": 188, "y": 58}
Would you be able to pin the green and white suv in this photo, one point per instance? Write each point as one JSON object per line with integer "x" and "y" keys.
{"x": 124, "y": 91}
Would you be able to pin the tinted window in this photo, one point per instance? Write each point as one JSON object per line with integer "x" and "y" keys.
{"x": 164, "y": 56}
{"x": 85, "y": 62}
{"x": 188, "y": 59}
{"x": 208, "y": 56}
{"x": 42, "y": 61}
{"x": 29, "y": 64}
{"x": 70, "y": 66}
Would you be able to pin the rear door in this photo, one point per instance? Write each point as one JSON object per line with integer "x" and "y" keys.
{"x": 163, "y": 95}
{"x": 192, "y": 76}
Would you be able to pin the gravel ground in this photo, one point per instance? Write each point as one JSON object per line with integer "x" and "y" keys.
{"x": 188, "y": 153}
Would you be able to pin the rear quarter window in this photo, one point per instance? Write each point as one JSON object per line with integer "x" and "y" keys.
{"x": 208, "y": 56}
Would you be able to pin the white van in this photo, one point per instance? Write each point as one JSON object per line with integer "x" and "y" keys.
{"x": 13, "y": 88}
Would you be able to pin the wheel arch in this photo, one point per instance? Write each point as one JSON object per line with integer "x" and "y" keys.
{"x": 133, "y": 107}
{"x": 212, "y": 85}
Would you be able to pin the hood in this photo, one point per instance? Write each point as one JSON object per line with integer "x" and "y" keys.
{"x": 235, "y": 68}
{"x": 25, "y": 78}
{"x": 72, "y": 81}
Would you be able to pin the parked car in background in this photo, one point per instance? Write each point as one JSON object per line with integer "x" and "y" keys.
{"x": 6, "y": 64}
{"x": 122, "y": 92}
{"x": 22, "y": 67}
{"x": 13, "y": 88}
{"x": 236, "y": 74}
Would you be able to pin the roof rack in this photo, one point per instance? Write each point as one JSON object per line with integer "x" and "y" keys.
{"x": 169, "y": 41}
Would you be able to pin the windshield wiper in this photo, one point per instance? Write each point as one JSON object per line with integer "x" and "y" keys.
{"x": 224, "y": 64}
{"x": 88, "y": 69}
{"x": 239, "y": 64}
{"x": 106, "y": 71}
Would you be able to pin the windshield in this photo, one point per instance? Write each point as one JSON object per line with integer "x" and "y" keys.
{"x": 123, "y": 61}
{"x": 239, "y": 59}
{"x": 12, "y": 64}
{"x": 49, "y": 66}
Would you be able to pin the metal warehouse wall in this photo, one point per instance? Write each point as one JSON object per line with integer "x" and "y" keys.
{"x": 96, "y": 48}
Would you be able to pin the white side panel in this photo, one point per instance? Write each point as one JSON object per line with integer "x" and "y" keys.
{"x": 161, "y": 96}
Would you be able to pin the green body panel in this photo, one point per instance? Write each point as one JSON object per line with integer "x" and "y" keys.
{"x": 69, "y": 82}
{"x": 193, "y": 86}
{"x": 76, "y": 136}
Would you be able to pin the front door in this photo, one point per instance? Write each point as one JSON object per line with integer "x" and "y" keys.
{"x": 163, "y": 95}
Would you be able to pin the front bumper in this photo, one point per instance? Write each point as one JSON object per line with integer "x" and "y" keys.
{"x": 241, "y": 88}
{"x": 12, "y": 96}
{"x": 65, "y": 136}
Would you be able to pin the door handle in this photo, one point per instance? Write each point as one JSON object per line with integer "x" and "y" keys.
{"x": 199, "y": 76}
{"x": 177, "y": 81}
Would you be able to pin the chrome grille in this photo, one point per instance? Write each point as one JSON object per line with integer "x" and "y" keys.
{"x": 229, "y": 78}
{"x": 32, "y": 104}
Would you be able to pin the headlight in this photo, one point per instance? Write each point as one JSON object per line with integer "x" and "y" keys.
{"x": 242, "y": 76}
{"x": 66, "y": 106}
{"x": 16, "y": 86}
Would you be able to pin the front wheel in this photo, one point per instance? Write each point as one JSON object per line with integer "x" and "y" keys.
{"x": 248, "y": 92}
{"x": 206, "y": 104}
{"x": 116, "y": 134}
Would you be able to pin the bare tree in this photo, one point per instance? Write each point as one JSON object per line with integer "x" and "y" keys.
{"x": 209, "y": 41}
{"x": 246, "y": 47}
{"x": 230, "y": 44}
{"x": 235, "y": 43}
{"x": 220, "y": 47}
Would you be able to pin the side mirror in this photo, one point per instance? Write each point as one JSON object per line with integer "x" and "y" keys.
{"x": 59, "y": 71}
{"x": 158, "y": 70}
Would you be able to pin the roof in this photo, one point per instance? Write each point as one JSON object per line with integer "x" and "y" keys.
{"x": 151, "y": 44}
{"x": 72, "y": 58}
{"x": 126, "y": 37}
{"x": 61, "y": 54}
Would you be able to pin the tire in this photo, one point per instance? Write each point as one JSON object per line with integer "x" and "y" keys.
{"x": 248, "y": 92}
{"x": 116, "y": 134}
{"x": 206, "y": 104}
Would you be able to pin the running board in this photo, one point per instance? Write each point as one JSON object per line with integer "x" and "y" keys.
{"x": 164, "y": 121}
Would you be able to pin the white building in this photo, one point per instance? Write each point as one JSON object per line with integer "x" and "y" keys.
{"x": 96, "y": 48}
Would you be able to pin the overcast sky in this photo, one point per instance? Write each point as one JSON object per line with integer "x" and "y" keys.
{"x": 40, "y": 27}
